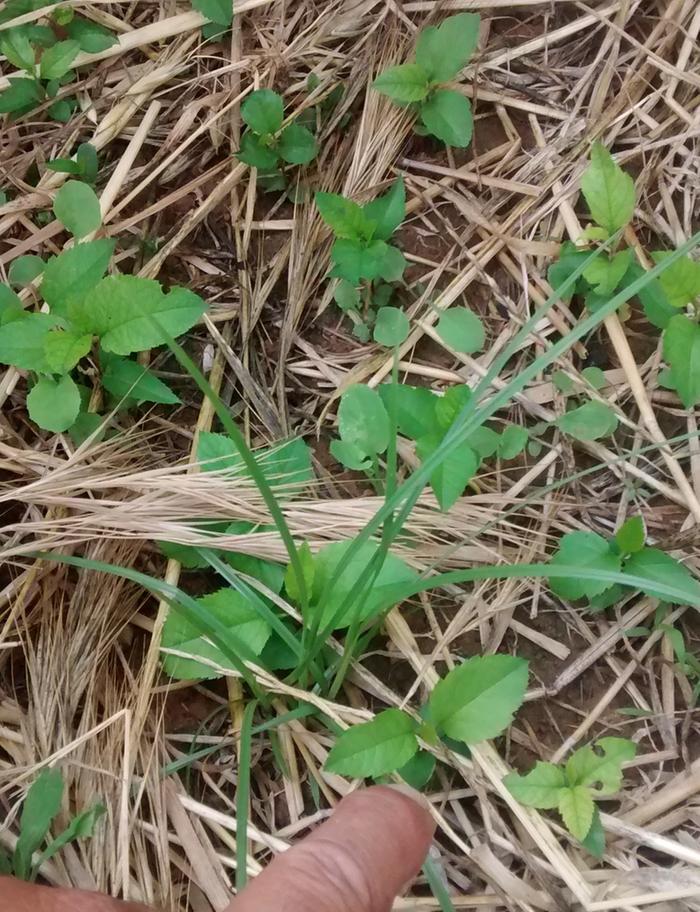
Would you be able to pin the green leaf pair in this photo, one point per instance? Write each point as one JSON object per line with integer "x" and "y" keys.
{"x": 265, "y": 143}
{"x": 361, "y": 251}
{"x": 441, "y": 52}
{"x": 83, "y": 166}
{"x": 474, "y": 702}
{"x": 571, "y": 788}
{"x": 626, "y": 554}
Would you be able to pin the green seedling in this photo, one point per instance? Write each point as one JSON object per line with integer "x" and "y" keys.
{"x": 425, "y": 418}
{"x": 85, "y": 308}
{"x": 266, "y": 143}
{"x": 441, "y": 53}
{"x": 219, "y": 14}
{"x": 671, "y": 302}
{"x": 83, "y": 166}
{"x": 625, "y": 553}
{"x": 476, "y": 701}
{"x": 362, "y": 256}
{"x": 46, "y": 56}
{"x": 571, "y": 788}
{"x": 41, "y": 807}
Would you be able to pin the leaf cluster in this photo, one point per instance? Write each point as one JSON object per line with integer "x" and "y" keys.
{"x": 572, "y": 787}
{"x": 441, "y": 53}
{"x": 474, "y": 702}
{"x": 625, "y": 553}
{"x": 365, "y": 428}
{"x": 610, "y": 195}
{"x": 82, "y": 307}
{"x": 266, "y": 143}
{"x": 45, "y": 51}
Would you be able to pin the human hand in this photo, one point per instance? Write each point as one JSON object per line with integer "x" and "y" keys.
{"x": 357, "y": 861}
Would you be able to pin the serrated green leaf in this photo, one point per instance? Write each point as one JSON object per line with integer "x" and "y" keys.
{"x": 14, "y": 44}
{"x": 415, "y": 408}
{"x": 570, "y": 258}
{"x": 657, "y": 307}
{"x": 54, "y": 404}
{"x": 462, "y": 330}
{"x": 680, "y": 280}
{"x": 606, "y": 274}
{"x": 447, "y": 114}
{"x": 600, "y": 772}
{"x": 513, "y": 441}
{"x": 42, "y": 804}
{"x": 589, "y": 421}
{"x": 656, "y": 566}
{"x": 24, "y": 269}
{"x": 451, "y": 477}
{"x": 286, "y": 465}
{"x": 404, "y": 84}
{"x": 21, "y": 96}
{"x": 631, "y": 535}
{"x": 341, "y": 607}
{"x": 391, "y": 326}
{"x": 263, "y": 111}
{"x": 450, "y": 404}
{"x": 374, "y": 748}
{"x": 64, "y": 348}
{"x": 682, "y": 351}
{"x": 247, "y": 629}
{"x": 595, "y": 838}
{"x": 344, "y": 216}
{"x": 121, "y": 309}
{"x": 22, "y": 342}
{"x": 419, "y": 770}
{"x": 217, "y": 11}
{"x": 608, "y": 190}
{"x": 576, "y": 808}
{"x": 443, "y": 50}
{"x": 186, "y": 555}
{"x": 125, "y": 378}
{"x": 297, "y": 145}
{"x": 589, "y": 551}
{"x": 77, "y": 207}
{"x": 387, "y": 212}
{"x": 363, "y": 420}
{"x": 539, "y": 788}
{"x": 57, "y": 60}
{"x": 91, "y": 37}
{"x": 70, "y": 275}
{"x": 478, "y": 699}
{"x": 355, "y": 260}
{"x": 10, "y": 305}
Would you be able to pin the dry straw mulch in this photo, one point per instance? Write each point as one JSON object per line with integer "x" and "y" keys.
{"x": 79, "y": 669}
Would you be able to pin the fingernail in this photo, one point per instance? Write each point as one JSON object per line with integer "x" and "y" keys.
{"x": 411, "y": 793}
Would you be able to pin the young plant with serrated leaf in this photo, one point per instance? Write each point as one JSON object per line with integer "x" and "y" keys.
{"x": 45, "y": 53}
{"x": 441, "y": 53}
{"x": 625, "y": 553}
{"x": 41, "y": 807}
{"x": 474, "y": 702}
{"x": 84, "y": 307}
{"x": 425, "y": 418}
{"x": 571, "y": 788}
{"x": 266, "y": 144}
{"x": 365, "y": 263}
{"x": 670, "y": 302}
{"x": 590, "y": 420}
{"x": 83, "y": 166}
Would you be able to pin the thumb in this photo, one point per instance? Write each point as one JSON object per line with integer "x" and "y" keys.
{"x": 357, "y": 861}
